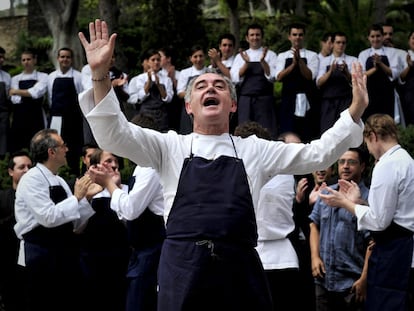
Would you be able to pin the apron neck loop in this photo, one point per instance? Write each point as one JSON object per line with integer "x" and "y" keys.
{"x": 232, "y": 142}
{"x": 234, "y": 146}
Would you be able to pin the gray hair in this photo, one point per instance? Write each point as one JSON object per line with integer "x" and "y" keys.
{"x": 229, "y": 83}
{"x": 40, "y": 144}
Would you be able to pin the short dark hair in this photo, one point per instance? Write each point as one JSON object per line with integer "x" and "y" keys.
{"x": 40, "y": 144}
{"x": 150, "y": 52}
{"x": 255, "y": 26}
{"x": 375, "y": 27}
{"x": 65, "y": 49}
{"x": 2, "y": 51}
{"x": 29, "y": 51}
{"x": 249, "y": 128}
{"x": 326, "y": 36}
{"x": 363, "y": 154}
{"x": 339, "y": 34}
{"x": 96, "y": 157}
{"x": 20, "y": 153}
{"x": 196, "y": 48}
{"x": 228, "y": 36}
{"x": 297, "y": 26}
{"x": 168, "y": 52}
{"x": 85, "y": 147}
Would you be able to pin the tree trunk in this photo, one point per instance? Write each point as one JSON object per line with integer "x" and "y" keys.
{"x": 380, "y": 7}
{"x": 299, "y": 10}
{"x": 11, "y": 9}
{"x": 60, "y": 16}
{"x": 234, "y": 20}
{"x": 109, "y": 12}
{"x": 269, "y": 8}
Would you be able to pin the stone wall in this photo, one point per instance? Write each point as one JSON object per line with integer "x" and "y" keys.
{"x": 10, "y": 27}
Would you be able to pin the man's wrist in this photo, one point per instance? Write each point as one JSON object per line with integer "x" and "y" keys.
{"x": 100, "y": 78}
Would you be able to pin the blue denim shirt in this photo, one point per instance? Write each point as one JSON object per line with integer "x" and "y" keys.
{"x": 342, "y": 246}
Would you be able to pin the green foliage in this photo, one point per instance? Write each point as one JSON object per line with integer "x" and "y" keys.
{"x": 179, "y": 24}
{"x": 39, "y": 45}
{"x": 5, "y": 179}
{"x": 90, "y": 4}
{"x": 406, "y": 138}
{"x": 127, "y": 170}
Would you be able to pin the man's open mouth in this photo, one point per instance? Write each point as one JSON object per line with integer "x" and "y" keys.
{"x": 210, "y": 102}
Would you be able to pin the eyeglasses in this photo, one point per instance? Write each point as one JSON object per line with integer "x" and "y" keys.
{"x": 340, "y": 42}
{"x": 348, "y": 161}
{"x": 63, "y": 145}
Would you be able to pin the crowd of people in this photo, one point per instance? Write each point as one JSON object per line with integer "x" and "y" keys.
{"x": 229, "y": 207}
{"x": 315, "y": 86}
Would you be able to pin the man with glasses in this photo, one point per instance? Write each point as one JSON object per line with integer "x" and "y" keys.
{"x": 338, "y": 250}
{"x": 47, "y": 215}
{"x": 296, "y": 69}
{"x": 334, "y": 82}
{"x": 388, "y": 215}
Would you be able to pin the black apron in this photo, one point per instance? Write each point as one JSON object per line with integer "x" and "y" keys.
{"x": 336, "y": 96}
{"x": 389, "y": 269}
{"x": 4, "y": 119}
{"x": 104, "y": 258}
{"x": 146, "y": 235}
{"x": 65, "y": 104}
{"x": 380, "y": 90}
{"x": 256, "y": 101}
{"x": 52, "y": 263}
{"x": 27, "y": 118}
{"x": 408, "y": 97}
{"x": 154, "y": 106}
{"x": 294, "y": 84}
{"x": 208, "y": 261}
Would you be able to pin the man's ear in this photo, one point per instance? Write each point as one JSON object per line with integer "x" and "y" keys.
{"x": 51, "y": 151}
{"x": 188, "y": 108}
{"x": 233, "y": 106}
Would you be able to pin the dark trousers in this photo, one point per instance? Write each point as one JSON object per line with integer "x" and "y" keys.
{"x": 53, "y": 275}
{"x": 142, "y": 279}
{"x": 336, "y": 301}
{"x": 283, "y": 284}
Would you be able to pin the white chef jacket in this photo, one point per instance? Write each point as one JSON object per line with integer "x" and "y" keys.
{"x": 254, "y": 56}
{"x": 36, "y": 91}
{"x": 34, "y": 207}
{"x": 274, "y": 216}
{"x": 146, "y": 193}
{"x": 166, "y": 152}
{"x": 312, "y": 61}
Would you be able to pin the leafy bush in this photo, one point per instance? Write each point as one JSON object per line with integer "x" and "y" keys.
{"x": 406, "y": 138}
